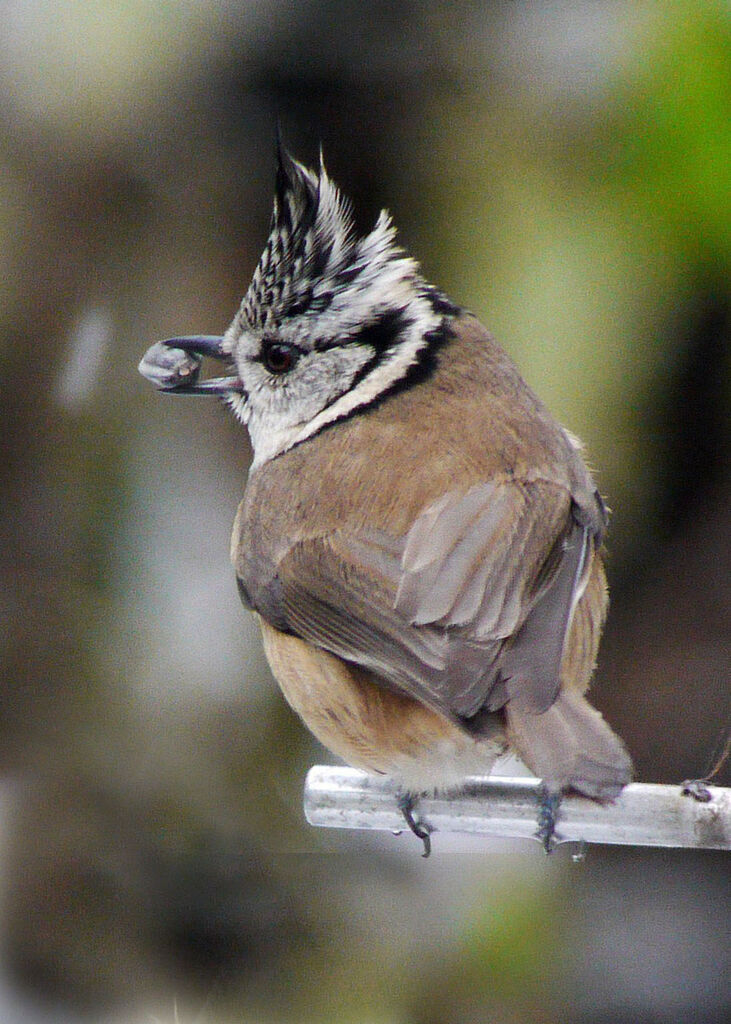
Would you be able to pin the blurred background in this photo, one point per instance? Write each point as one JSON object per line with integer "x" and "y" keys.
{"x": 560, "y": 168}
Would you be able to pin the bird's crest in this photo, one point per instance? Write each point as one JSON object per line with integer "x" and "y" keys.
{"x": 313, "y": 254}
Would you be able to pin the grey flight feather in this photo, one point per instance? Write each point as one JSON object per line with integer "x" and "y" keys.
{"x": 573, "y": 746}
{"x": 478, "y": 593}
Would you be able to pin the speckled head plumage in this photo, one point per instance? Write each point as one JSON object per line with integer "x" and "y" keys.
{"x": 314, "y": 258}
{"x": 311, "y": 250}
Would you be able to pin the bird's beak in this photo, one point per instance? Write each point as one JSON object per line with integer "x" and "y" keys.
{"x": 174, "y": 365}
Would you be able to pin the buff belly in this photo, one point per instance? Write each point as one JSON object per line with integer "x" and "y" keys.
{"x": 370, "y": 727}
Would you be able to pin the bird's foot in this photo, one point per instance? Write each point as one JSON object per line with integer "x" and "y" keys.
{"x": 406, "y": 803}
{"x": 548, "y": 807}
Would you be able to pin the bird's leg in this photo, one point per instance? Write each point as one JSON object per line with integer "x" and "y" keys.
{"x": 549, "y": 803}
{"x": 405, "y": 803}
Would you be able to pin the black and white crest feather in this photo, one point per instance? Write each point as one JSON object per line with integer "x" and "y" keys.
{"x": 311, "y": 247}
{"x": 314, "y": 258}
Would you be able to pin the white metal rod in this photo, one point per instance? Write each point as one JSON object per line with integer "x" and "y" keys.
{"x": 644, "y": 815}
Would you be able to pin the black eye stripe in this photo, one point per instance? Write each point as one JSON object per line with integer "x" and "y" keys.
{"x": 380, "y": 335}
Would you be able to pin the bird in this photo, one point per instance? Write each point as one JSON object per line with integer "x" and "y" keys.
{"x": 419, "y": 538}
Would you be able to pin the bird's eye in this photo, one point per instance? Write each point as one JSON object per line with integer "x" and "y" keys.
{"x": 279, "y": 357}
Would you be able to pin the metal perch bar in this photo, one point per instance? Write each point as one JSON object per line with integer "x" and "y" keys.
{"x": 644, "y": 815}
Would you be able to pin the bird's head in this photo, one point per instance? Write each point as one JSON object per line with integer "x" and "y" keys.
{"x": 331, "y": 322}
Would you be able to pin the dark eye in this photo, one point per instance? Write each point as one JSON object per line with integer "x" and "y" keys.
{"x": 279, "y": 357}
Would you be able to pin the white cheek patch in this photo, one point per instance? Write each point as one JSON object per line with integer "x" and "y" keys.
{"x": 279, "y": 410}
{"x": 323, "y": 377}
{"x": 295, "y": 414}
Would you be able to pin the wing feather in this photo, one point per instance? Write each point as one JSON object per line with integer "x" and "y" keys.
{"x": 468, "y": 609}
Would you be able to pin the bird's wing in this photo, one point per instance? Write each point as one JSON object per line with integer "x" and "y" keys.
{"x": 467, "y": 610}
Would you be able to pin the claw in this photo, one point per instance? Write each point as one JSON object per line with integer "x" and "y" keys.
{"x": 422, "y": 830}
{"x": 548, "y": 807}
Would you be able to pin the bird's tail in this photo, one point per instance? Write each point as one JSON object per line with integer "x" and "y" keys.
{"x": 570, "y": 746}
